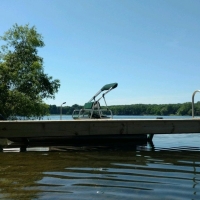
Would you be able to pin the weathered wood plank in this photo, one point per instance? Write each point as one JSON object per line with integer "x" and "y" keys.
{"x": 70, "y": 128}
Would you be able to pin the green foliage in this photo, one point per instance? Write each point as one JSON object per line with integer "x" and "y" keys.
{"x": 185, "y": 109}
{"x": 140, "y": 109}
{"x": 68, "y": 110}
{"x": 23, "y": 83}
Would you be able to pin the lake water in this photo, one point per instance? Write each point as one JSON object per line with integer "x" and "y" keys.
{"x": 168, "y": 169}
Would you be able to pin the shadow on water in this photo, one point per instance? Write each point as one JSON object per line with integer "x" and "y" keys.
{"x": 91, "y": 171}
{"x": 64, "y": 144}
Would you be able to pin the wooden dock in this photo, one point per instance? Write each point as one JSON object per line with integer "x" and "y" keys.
{"x": 112, "y": 128}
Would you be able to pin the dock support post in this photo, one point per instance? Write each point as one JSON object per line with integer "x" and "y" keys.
{"x": 149, "y": 140}
{"x": 150, "y": 137}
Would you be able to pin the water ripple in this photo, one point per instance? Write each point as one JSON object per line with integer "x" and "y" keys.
{"x": 129, "y": 180}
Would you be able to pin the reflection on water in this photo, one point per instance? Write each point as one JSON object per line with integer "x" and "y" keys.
{"x": 169, "y": 170}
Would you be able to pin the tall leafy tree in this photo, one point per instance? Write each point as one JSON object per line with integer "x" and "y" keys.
{"x": 23, "y": 83}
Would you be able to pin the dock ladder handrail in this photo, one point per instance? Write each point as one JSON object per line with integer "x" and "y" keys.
{"x": 193, "y": 102}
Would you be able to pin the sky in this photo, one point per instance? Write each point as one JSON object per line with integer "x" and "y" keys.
{"x": 151, "y": 48}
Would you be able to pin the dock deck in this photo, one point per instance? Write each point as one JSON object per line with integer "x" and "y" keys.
{"x": 97, "y": 128}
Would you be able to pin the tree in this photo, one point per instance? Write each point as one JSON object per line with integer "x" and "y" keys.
{"x": 185, "y": 109}
{"x": 23, "y": 83}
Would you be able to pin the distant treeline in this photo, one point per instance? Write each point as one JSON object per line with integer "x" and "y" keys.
{"x": 139, "y": 109}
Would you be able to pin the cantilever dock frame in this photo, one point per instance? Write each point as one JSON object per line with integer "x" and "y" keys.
{"x": 92, "y": 108}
